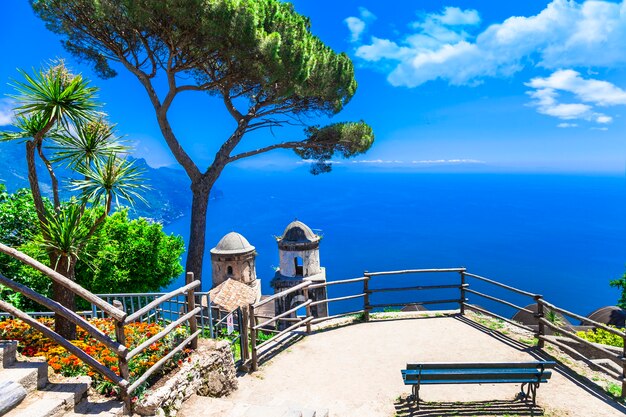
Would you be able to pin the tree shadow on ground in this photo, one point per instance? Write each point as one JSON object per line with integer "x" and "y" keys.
{"x": 405, "y": 407}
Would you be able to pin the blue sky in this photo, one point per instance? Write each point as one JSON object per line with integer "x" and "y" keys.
{"x": 531, "y": 86}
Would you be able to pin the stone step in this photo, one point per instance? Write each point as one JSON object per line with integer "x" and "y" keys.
{"x": 8, "y": 350}
{"x": 11, "y": 394}
{"x": 55, "y": 400}
{"x": 30, "y": 375}
{"x": 87, "y": 408}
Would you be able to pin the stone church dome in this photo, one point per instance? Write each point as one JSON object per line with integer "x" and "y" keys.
{"x": 298, "y": 232}
{"x": 232, "y": 243}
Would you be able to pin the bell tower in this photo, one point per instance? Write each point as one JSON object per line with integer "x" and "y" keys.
{"x": 298, "y": 249}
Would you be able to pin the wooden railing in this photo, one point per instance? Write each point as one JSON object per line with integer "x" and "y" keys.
{"x": 258, "y": 323}
{"x": 119, "y": 317}
{"x": 543, "y": 307}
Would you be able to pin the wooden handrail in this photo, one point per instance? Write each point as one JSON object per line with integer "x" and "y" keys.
{"x": 571, "y": 335}
{"x": 79, "y": 353}
{"x": 499, "y": 284}
{"x": 413, "y": 271}
{"x": 65, "y": 312}
{"x": 330, "y": 300}
{"x": 342, "y": 281}
{"x": 137, "y": 314}
{"x": 168, "y": 329}
{"x": 489, "y": 297}
{"x": 282, "y": 294}
{"x": 281, "y": 315}
{"x": 161, "y": 361}
{"x": 582, "y": 318}
{"x": 415, "y": 288}
{"x": 67, "y": 283}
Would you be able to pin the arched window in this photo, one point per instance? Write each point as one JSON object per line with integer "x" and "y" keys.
{"x": 297, "y": 261}
{"x": 229, "y": 270}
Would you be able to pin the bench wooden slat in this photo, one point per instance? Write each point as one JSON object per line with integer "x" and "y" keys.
{"x": 476, "y": 381}
{"x": 476, "y": 371}
{"x": 476, "y": 374}
{"x": 452, "y": 365}
{"x": 477, "y": 377}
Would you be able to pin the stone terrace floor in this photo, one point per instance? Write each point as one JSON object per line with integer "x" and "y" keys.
{"x": 354, "y": 371}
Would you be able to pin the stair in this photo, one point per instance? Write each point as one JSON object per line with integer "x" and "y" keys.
{"x": 26, "y": 392}
{"x": 220, "y": 407}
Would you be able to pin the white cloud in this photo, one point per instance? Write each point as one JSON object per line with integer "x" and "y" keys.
{"x": 398, "y": 162}
{"x": 448, "y": 161}
{"x": 588, "y": 92}
{"x": 382, "y": 49}
{"x": 604, "y": 119}
{"x": 566, "y": 33}
{"x": 357, "y": 25}
{"x": 601, "y": 93}
{"x": 566, "y": 125}
{"x": 6, "y": 111}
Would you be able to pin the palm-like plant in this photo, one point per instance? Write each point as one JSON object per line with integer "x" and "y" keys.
{"x": 108, "y": 179}
{"x": 58, "y": 105}
{"x": 67, "y": 232}
{"x": 57, "y": 95}
{"x": 93, "y": 140}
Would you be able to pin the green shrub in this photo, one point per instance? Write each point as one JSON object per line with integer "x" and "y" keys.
{"x": 603, "y": 337}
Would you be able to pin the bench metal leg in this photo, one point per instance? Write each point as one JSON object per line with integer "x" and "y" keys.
{"x": 415, "y": 396}
{"x": 531, "y": 392}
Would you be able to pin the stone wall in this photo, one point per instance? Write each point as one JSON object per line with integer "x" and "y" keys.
{"x": 210, "y": 372}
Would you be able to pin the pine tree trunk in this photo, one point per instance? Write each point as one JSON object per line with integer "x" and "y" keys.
{"x": 199, "y": 205}
{"x": 65, "y": 297}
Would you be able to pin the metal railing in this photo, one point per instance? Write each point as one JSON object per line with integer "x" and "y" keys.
{"x": 167, "y": 311}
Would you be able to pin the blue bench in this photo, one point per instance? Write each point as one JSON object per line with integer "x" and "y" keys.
{"x": 531, "y": 374}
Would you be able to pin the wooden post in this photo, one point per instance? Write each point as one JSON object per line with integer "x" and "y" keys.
{"x": 462, "y": 300}
{"x": 623, "y": 396}
{"x": 305, "y": 291}
{"x": 123, "y": 366}
{"x": 253, "y": 352}
{"x": 541, "y": 331}
{"x": 366, "y": 297}
{"x": 191, "y": 304}
{"x": 243, "y": 334}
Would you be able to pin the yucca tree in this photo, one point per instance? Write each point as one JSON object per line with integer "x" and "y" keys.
{"x": 57, "y": 113}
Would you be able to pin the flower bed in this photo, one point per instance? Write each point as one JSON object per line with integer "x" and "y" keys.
{"x": 33, "y": 343}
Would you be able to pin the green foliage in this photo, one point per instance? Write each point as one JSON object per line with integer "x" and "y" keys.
{"x": 130, "y": 256}
{"x": 347, "y": 139}
{"x": 255, "y": 48}
{"x": 124, "y": 255}
{"x": 18, "y": 219}
{"x": 615, "y": 390}
{"x": 620, "y": 284}
{"x": 56, "y": 95}
{"x": 96, "y": 140}
{"x": 110, "y": 176}
{"x": 602, "y": 336}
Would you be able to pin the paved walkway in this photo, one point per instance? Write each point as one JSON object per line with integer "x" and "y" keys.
{"x": 354, "y": 371}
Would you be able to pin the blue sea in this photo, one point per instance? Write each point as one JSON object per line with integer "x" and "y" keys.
{"x": 563, "y": 236}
